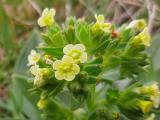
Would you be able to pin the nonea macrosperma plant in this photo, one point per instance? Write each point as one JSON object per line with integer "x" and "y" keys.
{"x": 93, "y": 71}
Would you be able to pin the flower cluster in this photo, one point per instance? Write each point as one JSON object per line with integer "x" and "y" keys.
{"x": 67, "y": 68}
{"x": 39, "y": 73}
{"x": 87, "y": 60}
{"x": 153, "y": 93}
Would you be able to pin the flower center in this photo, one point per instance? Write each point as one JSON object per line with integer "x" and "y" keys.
{"x": 75, "y": 54}
{"x": 66, "y": 67}
{"x": 48, "y": 19}
{"x": 34, "y": 58}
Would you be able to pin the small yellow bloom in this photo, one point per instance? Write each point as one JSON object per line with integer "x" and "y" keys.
{"x": 41, "y": 74}
{"x": 155, "y": 100}
{"x": 145, "y": 106}
{"x": 151, "y": 117}
{"x": 77, "y": 52}
{"x": 66, "y": 68}
{"x": 138, "y": 24}
{"x": 150, "y": 89}
{"x": 153, "y": 92}
{"x": 100, "y": 19}
{"x": 33, "y": 58}
{"x": 34, "y": 69}
{"x": 143, "y": 38}
{"x": 101, "y": 24}
{"x": 41, "y": 104}
{"x": 47, "y": 17}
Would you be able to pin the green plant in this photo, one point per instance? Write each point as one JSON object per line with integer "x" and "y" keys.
{"x": 77, "y": 69}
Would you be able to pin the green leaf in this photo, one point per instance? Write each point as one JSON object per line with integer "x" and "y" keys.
{"x": 97, "y": 60}
{"x": 53, "y": 51}
{"x": 110, "y": 74}
{"x": 22, "y": 101}
{"x": 24, "y": 104}
{"x": 70, "y": 35}
{"x": 56, "y": 36}
{"x": 93, "y": 69}
{"x": 6, "y": 32}
{"x": 47, "y": 40}
{"x": 58, "y": 39}
{"x": 21, "y": 64}
{"x": 31, "y": 109}
{"x": 56, "y": 109}
{"x": 58, "y": 88}
{"x": 83, "y": 34}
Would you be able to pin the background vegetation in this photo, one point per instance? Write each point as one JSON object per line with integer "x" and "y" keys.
{"x": 19, "y": 33}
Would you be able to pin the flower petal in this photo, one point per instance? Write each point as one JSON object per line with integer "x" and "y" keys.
{"x": 41, "y": 22}
{"x": 52, "y": 12}
{"x": 45, "y": 12}
{"x": 83, "y": 58}
{"x": 67, "y": 59}
{"x": 80, "y": 47}
{"x": 69, "y": 77}
{"x": 59, "y": 75}
{"x": 33, "y": 52}
{"x": 33, "y": 58}
{"x": 56, "y": 64}
{"x": 68, "y": 48}
{"x": 34, "y": 69}
{"x": 99, "y": 18}
{"x": 75, "y": 69}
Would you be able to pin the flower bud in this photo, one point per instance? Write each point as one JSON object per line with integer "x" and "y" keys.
{"x": 145, "y": 106}
{"x": 42, "y": 103}
{"x": 142, "y": 38}
{"x": 153, "y": 92}
{"x": 42, "y": 76}
{"x": 138, "y": 24}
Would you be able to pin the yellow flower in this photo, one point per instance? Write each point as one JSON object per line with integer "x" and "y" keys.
{"x": 151, "y": 117}
{"x": 34, "y": 69}
{"x": 41, "y": 74}
{"x": 66, "y": 68}
{"x": 101, "y": 24}
{"x": 138, "y": 24}
{"x": 143, "y": 38}
{"x": 77, "y": 52}
{"x": 47, "y": 17}
{"x": 153, "y": 92}
{"x": 145, "y": 106}
{"x": 152, "y": 89}
{"x": 33, "y": 58}
{"x": 41, "y": 104}
{"x": 155, "y": 100}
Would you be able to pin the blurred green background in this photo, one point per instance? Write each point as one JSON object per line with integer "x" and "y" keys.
{"x": 19, "y": 33}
